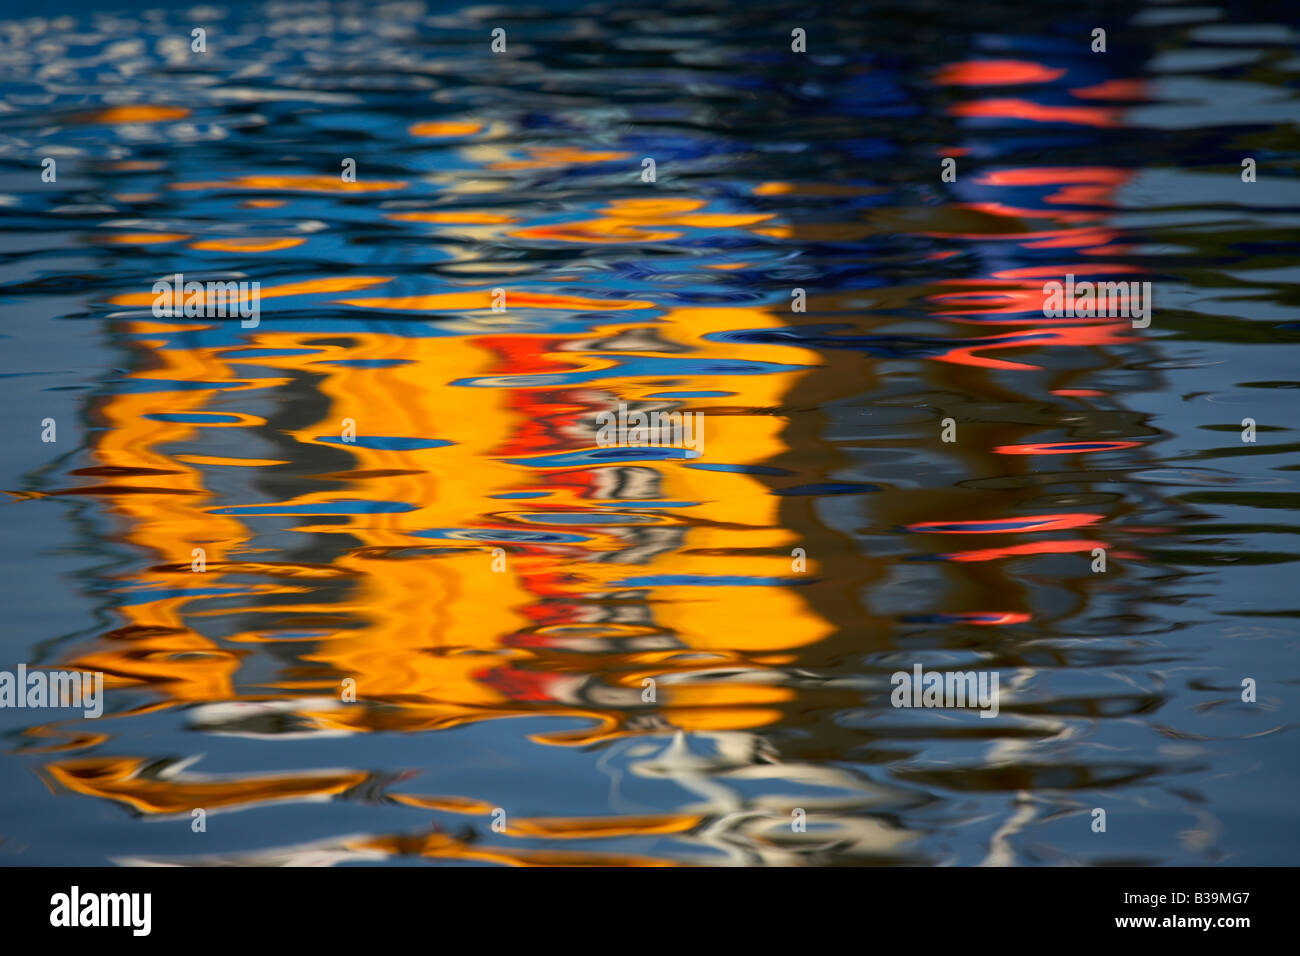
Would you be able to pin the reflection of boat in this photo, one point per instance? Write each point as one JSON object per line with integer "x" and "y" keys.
{"x": 164, "y": 788}
{"x": 281, "y": 719}
{"x": 726, "y": 826}
{"x": 837, "y": 823}
{"x": 371, "y": 555}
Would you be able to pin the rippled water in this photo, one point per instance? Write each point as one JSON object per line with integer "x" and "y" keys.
{"x": 498, "y": 586}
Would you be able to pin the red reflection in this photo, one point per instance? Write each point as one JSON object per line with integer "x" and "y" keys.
{"x": 1055, "y": 175}
{"x": 1007, "y": 525}
{"x": 1113, "y": 90}
{"x": 988, "y": 618}
{"x": 1037, "y": 112}
{"x": 1064, "y": 448}
{"x": 996, "y": 73}
{"x": 1081, "y": 335}
{"x": 1019, "y": 550}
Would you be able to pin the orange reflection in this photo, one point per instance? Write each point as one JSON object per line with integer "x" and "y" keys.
{"x": 138, "y": 113}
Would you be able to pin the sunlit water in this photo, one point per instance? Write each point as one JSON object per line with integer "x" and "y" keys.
{"x": 498, "y": 586}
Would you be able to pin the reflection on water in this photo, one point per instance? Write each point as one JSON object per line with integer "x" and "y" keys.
{"x": 499, "y": 586}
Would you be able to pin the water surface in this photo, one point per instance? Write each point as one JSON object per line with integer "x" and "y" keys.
{"x": 826, "y": 538}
